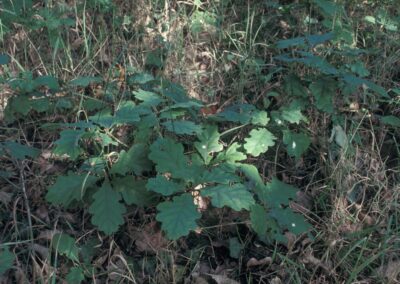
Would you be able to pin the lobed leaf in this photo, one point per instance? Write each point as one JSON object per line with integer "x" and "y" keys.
{"x": 236, "y": 196}
{"x": 259, "y": 141}
{"x": 107, "y": 212}
{"x": 208, "y": 143}
{"x": 68, "y": 143}
{"x": 134, "y": 191}
{"x": 296, "y": 143}
{"x": 161, "y": 185}
{"x": 178, "y": 217}
{"x": 69, "y": 188}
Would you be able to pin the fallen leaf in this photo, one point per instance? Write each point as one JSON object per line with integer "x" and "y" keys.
{"x": 149, "y": 239}
{"x": 390, "y": 271}
{"x": 222, "y": 279}
{"x": 257, "y": 262}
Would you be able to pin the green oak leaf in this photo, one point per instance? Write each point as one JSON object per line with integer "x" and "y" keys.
{"x": 69, "y": 143}
{"x": 235, "y": 247}
{"x": 178, "y": 217}
{"x": 209, "y": 143}
{"x": 6, "y": 260}
{"x": 65, "y": 245}
{"x": 69, "y": 188}
{"x": 324, "y": 90}
{"x": 19, "y": 151}
{"x": 221, "y": 174}
{"x": 231, "y": 155}
{"x": 48, "y": 81}
{"x": 148, "y": 98}
{"x": 169, "y": 157}
{"x": 260, "y": 118}
{"x": 182, "y": 127}
{"x": 258, "y": 218}
{"x": 391, "y": 120}
{"x": 162, "y": 185}
{"x": 259, "y": 141}
{"x": 135, "y": 160}
{"x": 19, "y": 104}
{"x": 286, "y": 218}
{"x": 75, "y": 275}
{"x": 277, "y": 193}
{"x": 84, "y": 81}
{"x": 236, "y": 196}
{"x": 294, "y": 87}
{"x": 126, "y": 113}
{"x": 241, "y": 113}
{"x": 4, "y": 59}
{"x": 292, "y": 114}
{"x": 107, "y": 212}
{"x": 296, "y": 143}
{"x": 134, "y": 191}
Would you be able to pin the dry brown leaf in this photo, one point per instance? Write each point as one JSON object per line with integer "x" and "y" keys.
{"x": 48, "y": 234}
{"x": 276, "y": 280}
{"x": 5, "y": 197}
{"x": 222, "y": 279}
{"x": 77, "y": 43}
{"x": 41, "y": 250}
{"x": 390, "y": 271}
{"x": 257, "y": 262}
{"x": 150, "y": 239}
{"x": 43, "y": 213}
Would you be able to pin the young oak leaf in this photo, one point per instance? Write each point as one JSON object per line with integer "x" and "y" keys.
{"x": 231, "y": 155}
{"x": 69, "y": 143}
{"x": 259, "y": 141}
{"x": 178, "y": 217}
{"x": 296, "y": 143}
{"x": 236, "y": 196}
{"x": 208, "y": 143}
{"x": 134, "y": 191}
{"x": 69, "y": 188}
{"x": 163, "y": 186}
{"x": 135, "y": 160}
{"x": 169, "y": 157}
{"x": 107, "y": 212}
{"x": 65, "y": 245}
{"x": 6, "y": 260}
{"x": 258, "y": 217}
{"x": 324, "y": 90}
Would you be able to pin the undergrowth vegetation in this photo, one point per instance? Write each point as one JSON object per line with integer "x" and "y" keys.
{"x": 199, "y": 141}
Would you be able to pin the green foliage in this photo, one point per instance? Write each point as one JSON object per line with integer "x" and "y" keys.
{"x": 135, "y": 160}
{"x": 75, "y": 275}
{"x": 69, "y": 188}
{"x": 19, "y": 151}
{"x": 6, "y": 260}
{"x": 236, "y": 196}
{"x": 161, "y": 166}
{"x": 296, "y": 143}
{"x": 65, "y": 245}
{"x": 4, "y": 59}
{"x": 178, "y": 216}
{"x": 134, "y": 191}
{"x": 209, "y": 143}
{"x": 274, "y": 214}
{"x": 391, "y": 120}
{"x": 161, "y": 185}
{"x": 68, "y": 143}
{"x": 324, "y": 90}
{"x": 107, "y": 210}
{"x": 169, "y": 157}
{"x": 259, "y": 141}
